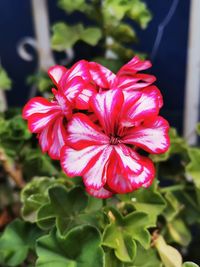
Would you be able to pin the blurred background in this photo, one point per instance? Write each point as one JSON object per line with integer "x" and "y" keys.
{"x": 168, "y": 58}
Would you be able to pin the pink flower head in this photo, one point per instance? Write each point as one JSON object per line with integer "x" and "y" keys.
{"x": 75, "y": 83}
{"x": 127, "y": 78}
{"x": 107, "y": 154}
{"x": 47, "y": 118}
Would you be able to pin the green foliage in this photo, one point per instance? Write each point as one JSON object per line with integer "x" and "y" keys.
{"x": 65, "y": 36}
{"x": 122, "y": 232}
{"x": 34, "y": 195}
{"x": 16, "y": 242}
{"x": 5, "y": 82}
{"x": 145, "y": 201}
{"x": 71, "y": 6}
{"x": 41, "y": 81}
{"x": 67, "y": 215}
{"x": 80, "y": 247}
{"x": 13, "y": 134}
{"x": 111, "y": 21}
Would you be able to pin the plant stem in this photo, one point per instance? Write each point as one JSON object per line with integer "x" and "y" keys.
{"x": 172, "y": 188}
{"x": 11, "y": 169}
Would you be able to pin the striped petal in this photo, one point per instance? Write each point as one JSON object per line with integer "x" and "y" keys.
{"x": 145, "y": 107}
{"x": 101, "y": 193}
{"x": 38, "y": 105}
{"x": 128, "y": 160}
{"x": 77, "y": 162}
{"x": 73, "y": 87}
{"x": 133, "y": 66}
{"x": 107, "y": 107}
{"x": 116, "y": 181}
{"x": 82, "y": 132}
{"x": 145, "y": 178}
{"x": 38, "y": 122}
{"x": 81, "y": 68}
{"x": 83, "y": 99}
{"x": 152, "y": 136}
{"x": 56, "y": 73}
{"x": 45, "y": 138}
{"x": 135, "y": 82}
{"x": 96, "y": 175}
{"x": 58, "y": 138}
{"x": 102, "y": 76}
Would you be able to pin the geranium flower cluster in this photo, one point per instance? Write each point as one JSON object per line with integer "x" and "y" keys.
{"x": 98, "y": 123}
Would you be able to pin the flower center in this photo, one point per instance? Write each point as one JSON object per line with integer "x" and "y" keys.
{"x": 114, "y": 140}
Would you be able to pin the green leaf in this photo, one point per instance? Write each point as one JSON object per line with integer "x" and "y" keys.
{"x": 16, "y": 241}
{"x": 146, "y": 258}
{"x": 34, "y": 195}
{"x": 37, "y": 163}
{"x": 189, "y": 264}
{"x": 111, "y": 260}
{"x": 65, "y": 36}
{"x": 79, "y": 248}
{"x": 148, "y": 200}
{"x": 179, "y": 232}
{"x": 122, "y": 232}
{"x": 71, "y": 6}
{"x": 198, "y": 128}
{"x": 124, "y": 33}
{"x": 5, "y": 82}
{"x": 114, "y": 11}
{"x": 173, "y": 208}
{"x": 91, "y": 35}
{"x": 168, "y": 254}
{"x": 65, "y": 206}
{"x": 140, "y": 13}
{"x": 193, "y": 167}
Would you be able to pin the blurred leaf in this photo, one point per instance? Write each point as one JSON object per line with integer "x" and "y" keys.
{"x": 79, "y": 248}
{"x": 124, "y": 33}
{"x": 91, "y": 35}
{"x": 173, "y": 207}
{"x": 179, "y": 232}
{"x": 193, "y": 167}
{"x": 37, "y": 163}
{"x": 65, "y": 36}
{"x": 5, "y": 82}
{"x": 189, "y": 264}
{"x": 140, "y": 13}
{"x": 41, "y": 81}
{"x": 113, "y": 64}
{"x": 168, "y": 254}
{"x": 64, "y": 206}
{"x": 122, "y": 232}
{"x": 16, "y": 241}
{"x": 114, "y": 11}
{"x": 198, "y": 128}
{"x": 71, "y": 6}
{"x": 34, "y": 195}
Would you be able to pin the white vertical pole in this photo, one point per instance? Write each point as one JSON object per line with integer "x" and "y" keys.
{"x": 192, "y": 93}
{"x": 42, "y": 27}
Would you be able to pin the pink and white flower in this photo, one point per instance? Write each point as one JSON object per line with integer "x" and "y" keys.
{"x": 47, "y": 119}
{"x": 106, "y": 154}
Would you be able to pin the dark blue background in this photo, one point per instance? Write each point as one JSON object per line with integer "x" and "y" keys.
{"x": 169, "y": 64}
